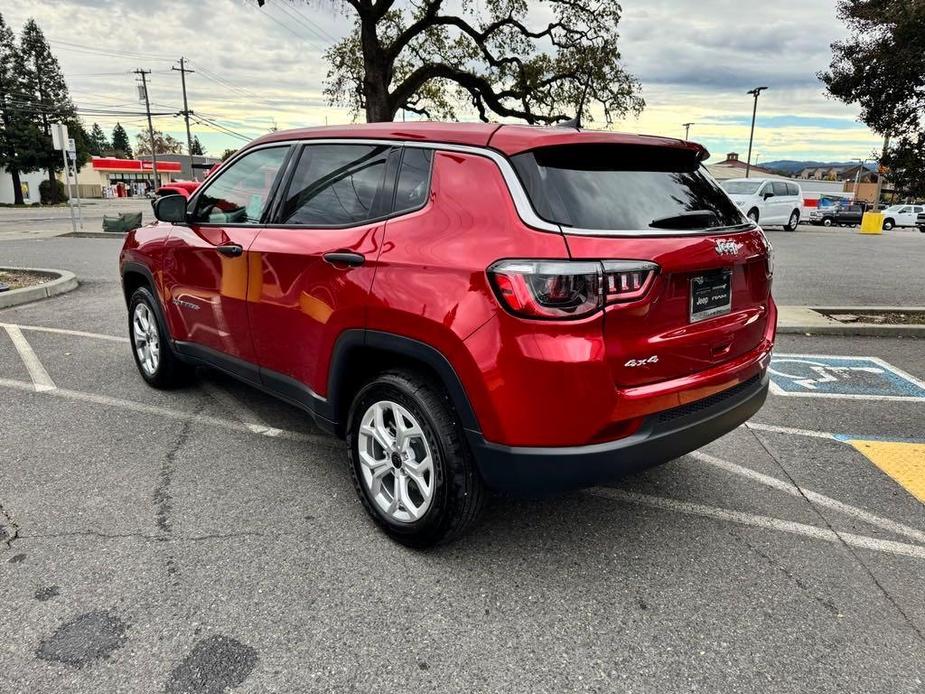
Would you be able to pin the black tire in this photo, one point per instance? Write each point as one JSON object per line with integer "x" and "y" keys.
{"x": 170, "y": 371}
{"x": 827, "y": 222}
{"x": 753, "y": 214}
{"x": 888, "y": 224}
{"x": 793, "y": 222}
{"x": 458, "y": 490}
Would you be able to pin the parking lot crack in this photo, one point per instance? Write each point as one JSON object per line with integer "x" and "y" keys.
{"x": 9, "y": 529}
{"x": 854, "y": 555}
{"x": 827, "y": 603}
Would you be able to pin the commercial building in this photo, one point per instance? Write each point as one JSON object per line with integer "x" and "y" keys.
{"x": 113, "y": 177}
{"x": 733, "y": 167}
{"x": 30, "y": 187}
{"x": 197, "y": 172}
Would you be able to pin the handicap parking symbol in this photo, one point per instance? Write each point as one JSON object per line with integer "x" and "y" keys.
{"x": 827, "y": 376}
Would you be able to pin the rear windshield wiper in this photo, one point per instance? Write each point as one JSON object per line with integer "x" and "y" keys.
{"x": 695, "y": 219}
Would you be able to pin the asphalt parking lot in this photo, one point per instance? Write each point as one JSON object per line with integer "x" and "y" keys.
{"x": 211, "y": 538}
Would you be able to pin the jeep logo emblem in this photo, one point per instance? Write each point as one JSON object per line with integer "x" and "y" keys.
{"x": 727, "y": 247}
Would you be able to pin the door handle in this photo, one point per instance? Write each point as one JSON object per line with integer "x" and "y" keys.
{"x": 232, "y": 250}
{"x": 344, "y": 258}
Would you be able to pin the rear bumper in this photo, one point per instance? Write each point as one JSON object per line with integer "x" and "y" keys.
{"x": 529, "y": 471}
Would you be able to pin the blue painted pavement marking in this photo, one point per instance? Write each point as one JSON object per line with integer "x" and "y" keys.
{"x": 828, "y": 376}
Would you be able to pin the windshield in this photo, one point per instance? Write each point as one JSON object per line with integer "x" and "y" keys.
{"x": 741, "y": 187}
{"x": 623, "y": 187}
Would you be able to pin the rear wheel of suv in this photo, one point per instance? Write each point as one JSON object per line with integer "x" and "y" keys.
{"x": 154, "y": 356}
{"x": 794, "y": 221}
{"x": 410, "y": 464}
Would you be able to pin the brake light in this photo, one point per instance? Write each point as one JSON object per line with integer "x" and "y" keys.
{"x": 568, "y": 289}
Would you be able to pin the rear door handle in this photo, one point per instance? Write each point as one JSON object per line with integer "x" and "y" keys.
{"x": 232, "y": 250}
{"x": 344, "y": 258}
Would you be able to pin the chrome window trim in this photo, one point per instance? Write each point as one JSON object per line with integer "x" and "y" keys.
{"x": 518, "y": 194}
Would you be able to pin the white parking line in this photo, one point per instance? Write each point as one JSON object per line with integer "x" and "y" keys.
{"x": 62, "y": 331}
{"x": 790, "y": 430}
{"x": 814, "y": 497}
{"x": 756, "y": 521}
{"x": 41, "y": 381}
{"x": 246, "y": 415}
{"x": 168, "y": 413}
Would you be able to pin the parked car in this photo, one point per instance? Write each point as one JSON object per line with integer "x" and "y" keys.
{"x": 470, "y": 306}
{"x": 841, "y": 215}
{"x": 769, "y": 202}
{"x": 184, "y": 188}
{"x": 920, "y": 221}
{"x": 901, "y": 216}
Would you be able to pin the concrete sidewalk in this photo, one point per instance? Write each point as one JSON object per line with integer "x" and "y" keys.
{"x": 806, "y": 320}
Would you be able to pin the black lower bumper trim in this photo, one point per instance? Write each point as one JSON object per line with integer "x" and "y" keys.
{"x": 529, "y": 471}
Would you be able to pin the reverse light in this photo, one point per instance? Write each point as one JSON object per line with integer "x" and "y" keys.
{"x": 568, "y": 289}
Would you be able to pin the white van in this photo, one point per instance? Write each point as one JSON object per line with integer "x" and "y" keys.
{"x": 768, "y": 201}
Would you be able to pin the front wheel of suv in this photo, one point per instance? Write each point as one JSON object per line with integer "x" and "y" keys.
{"x": 410, "y": 464}
{"x": 154, "y": 356}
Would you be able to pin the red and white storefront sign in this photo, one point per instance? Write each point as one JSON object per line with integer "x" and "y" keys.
{"x": 114, "y": 164}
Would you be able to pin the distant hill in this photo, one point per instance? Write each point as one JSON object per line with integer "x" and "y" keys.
{"x": 791, "y": 166}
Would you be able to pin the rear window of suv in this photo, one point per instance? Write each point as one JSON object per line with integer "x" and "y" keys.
{"x": 623, "y": 187}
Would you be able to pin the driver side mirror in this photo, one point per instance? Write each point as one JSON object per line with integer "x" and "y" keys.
{"x": 170, "y": 208}
{"x": 768, "y": 195}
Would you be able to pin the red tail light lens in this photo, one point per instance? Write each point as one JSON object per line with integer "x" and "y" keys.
{"x": 568, "y": 289}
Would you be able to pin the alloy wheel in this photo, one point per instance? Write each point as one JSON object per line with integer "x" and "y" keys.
{"x": 146, "y": 339}
{"x": 396, "y": 462}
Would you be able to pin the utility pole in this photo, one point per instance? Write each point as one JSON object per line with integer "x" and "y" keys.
{"x": 687, "y": 130}
{"x": 144, "y": 88}
{"x": 880, "y": 170}
{"x": 186, "y": 112}
{"x": 751, "y": 138}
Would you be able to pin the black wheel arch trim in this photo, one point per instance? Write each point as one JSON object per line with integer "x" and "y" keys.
{"x": 400, "y": 345}
{"x": 143, "y": 270}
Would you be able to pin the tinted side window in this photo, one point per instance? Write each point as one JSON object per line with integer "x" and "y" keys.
{"x": 337, "y": 185}
{"x": 239, "y": 194}
{"x": 413, "y": 179}
{"x": 793, "y": 189}
{"x": 780, "y": 189}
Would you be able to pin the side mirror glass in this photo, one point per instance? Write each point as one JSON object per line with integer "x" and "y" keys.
{"x": 170, "y": 208}
{"x": 768, "y": 195}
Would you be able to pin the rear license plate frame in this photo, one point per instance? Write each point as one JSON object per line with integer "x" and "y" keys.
{"x": 710, "y": 294}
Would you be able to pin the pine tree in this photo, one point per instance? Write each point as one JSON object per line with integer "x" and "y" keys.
{"x": 197, "y": 147}
{"x": 120, "y": 144}
{"x": 97, "y": 141}
{"x": 44, "y": 87}
{"x": 10, "y": 116}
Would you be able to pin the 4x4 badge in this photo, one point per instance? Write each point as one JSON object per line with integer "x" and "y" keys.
{"x": 727, "y": 247}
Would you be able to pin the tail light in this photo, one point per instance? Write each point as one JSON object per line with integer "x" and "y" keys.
{"x": 568, "y": 289}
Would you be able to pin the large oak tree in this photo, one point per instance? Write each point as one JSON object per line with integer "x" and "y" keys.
{"x": 541, "y": 61}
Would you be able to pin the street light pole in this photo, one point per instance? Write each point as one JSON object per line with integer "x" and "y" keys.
{"x": 748, "y": 163}
{"x": 687, "y": 130}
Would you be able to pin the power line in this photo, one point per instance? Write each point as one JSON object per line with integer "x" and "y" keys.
{"x": 300, "y": 19}
{"x": 318, "y": 26}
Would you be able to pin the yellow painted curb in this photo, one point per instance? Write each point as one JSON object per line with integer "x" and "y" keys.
{"x": 904, "y": 462}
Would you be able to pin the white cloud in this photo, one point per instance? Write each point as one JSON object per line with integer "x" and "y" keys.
{"x": 695, "y": 60}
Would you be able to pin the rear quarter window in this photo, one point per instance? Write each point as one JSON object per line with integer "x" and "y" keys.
{"x": 623, "y": 188}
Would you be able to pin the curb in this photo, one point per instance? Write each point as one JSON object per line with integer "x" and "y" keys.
{"x": 93, "y": 235}
{"x": 62, "y": 283}
{"x": 806, "y": 320}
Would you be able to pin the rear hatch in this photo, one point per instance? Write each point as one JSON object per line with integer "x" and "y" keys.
{"x": 709, "y": 302}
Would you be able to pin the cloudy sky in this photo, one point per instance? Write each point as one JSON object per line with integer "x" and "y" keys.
{"x": 694, "y": 58}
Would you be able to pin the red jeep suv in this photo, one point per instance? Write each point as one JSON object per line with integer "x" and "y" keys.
{"x": 472, "y": 306}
